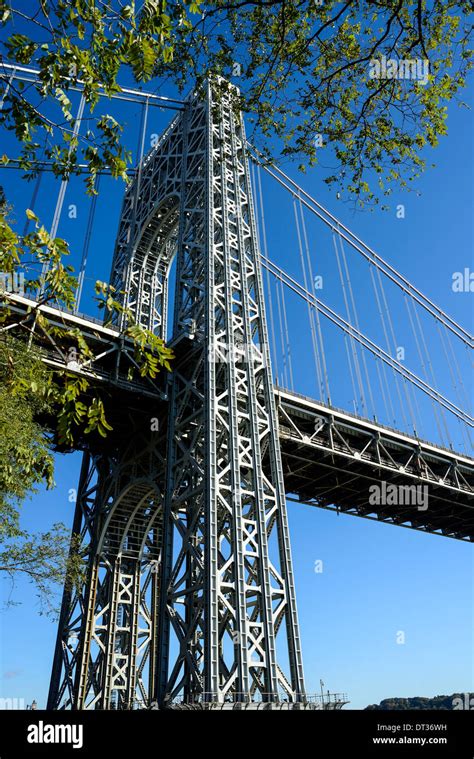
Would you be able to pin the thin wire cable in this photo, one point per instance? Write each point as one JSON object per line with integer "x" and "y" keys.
{"x": 355, "y": 359}
{"x": 287, "y": 338}
{"x": 450, "y": 367}
{"x": 384, "y": 398}
{"x": 395, "y": 347}
{"x": 283, "y": 354}
{"x": 85, "y": 249}
{"x": 417, "y": 429}
{"x": 367, "y": 343}
{"x": 389, "y": 271}
{"x": 138, "y": 180}
{"x": 258, "y": 187}
{"x": 34, "y": 198}
{"x": 391, "y": 416}
{"x": 429, "y": 364}
{"x": 387, "y": 342}
{"x": 466, "y": 399}
{"x": 315, "y": 312}
{"x": 311, "y": 324}
{"x": 424, "y": 369}
{"x": 356, "y": 319}
{"x": 64, "y": 182}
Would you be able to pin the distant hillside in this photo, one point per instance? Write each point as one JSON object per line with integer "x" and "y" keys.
{"x": 456, "y": 701}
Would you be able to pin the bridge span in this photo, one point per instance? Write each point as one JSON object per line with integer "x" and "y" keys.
{"x": 336, "y": 460}
{"x": 332, "y": 459}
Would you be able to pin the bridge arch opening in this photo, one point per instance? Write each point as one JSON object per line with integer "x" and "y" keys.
{"x": 154, "y": 255}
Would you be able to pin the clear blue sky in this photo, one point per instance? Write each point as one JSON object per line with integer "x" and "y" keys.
{"x": 377, "y": 579}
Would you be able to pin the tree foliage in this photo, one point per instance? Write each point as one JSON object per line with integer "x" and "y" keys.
{"x": 421, "y": 702}
{"x": 303, "y": 68}
{"x": 25, "y": 462}
{"x": 56, "y": 285}
{"x": 41, "y": 406}
{"x": 25, "y": 456}
{"x": 46, "y": 559}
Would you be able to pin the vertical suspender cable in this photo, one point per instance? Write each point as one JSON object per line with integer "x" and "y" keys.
{"x": 287, "y": 338}
{"x": 394, "y": 341}
{"x": 258, "y": 186}
{"x": 451, "y": 373}
{"x": 356, "y": 319}
{"x": 85, "y": 250}
{"x": 136, "y": 199}
{"x": 387, "y": 341}
{"x": 141, "y": 151}
{"x": 464, "y": 399}
{"x": 382, "y": 389}
{"x": 310, "y": 311}
{"x": 283, "y": 353}
{"x": 380, "y": 367}
{"x": 348, "y": 352}
{"x": 381, "y": 370}
{"x": 457, "y": 376}
{"x": 65, "y": 182}
{"x": 424, "y": 368}
{"x": 33, "y": 200}
{"x": 357, "y": 373}
{"x": 315, "y": 313}
{"x": 430, "y": 367}
{"x": 462, "y": 389}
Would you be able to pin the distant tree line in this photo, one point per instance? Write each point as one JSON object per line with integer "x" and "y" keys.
{"x": 455, "y": 701}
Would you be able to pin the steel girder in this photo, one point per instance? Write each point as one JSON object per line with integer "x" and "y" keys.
{"x": 111, "y": 361}
{"x": 332, "y": 459}
{"x": 201, "y": 588}
{"x": 105, "y": 654}
{"x": 146, "y": 240}
{"x": 228, "y": 584}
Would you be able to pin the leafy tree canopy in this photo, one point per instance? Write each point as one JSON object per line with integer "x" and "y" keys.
{"x": 25, "y": 462}
{"x": 422, "y": 702}
{"x": 304, "y": 67}
{"x": 42, "y": 406}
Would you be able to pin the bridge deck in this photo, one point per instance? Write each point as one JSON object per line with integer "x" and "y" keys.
{"x": 331, "y": 459}
{"x": 335, "y": 460}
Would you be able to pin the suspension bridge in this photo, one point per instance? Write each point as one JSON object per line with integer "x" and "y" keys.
{"x": 189, "y": 599}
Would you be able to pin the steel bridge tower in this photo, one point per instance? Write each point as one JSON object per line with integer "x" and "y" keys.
{"x": 189, "y": 594}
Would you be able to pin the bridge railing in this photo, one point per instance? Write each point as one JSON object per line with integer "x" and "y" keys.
{"x": 320, "y": 701}
{"x": 359, "y": 417}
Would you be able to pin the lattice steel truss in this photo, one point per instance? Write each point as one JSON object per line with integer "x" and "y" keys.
{"x": 190, "y": 593}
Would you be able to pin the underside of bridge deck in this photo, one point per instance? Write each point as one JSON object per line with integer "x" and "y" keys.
{"x": 331, "y": 458}
{"x": 337, "y": 461}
